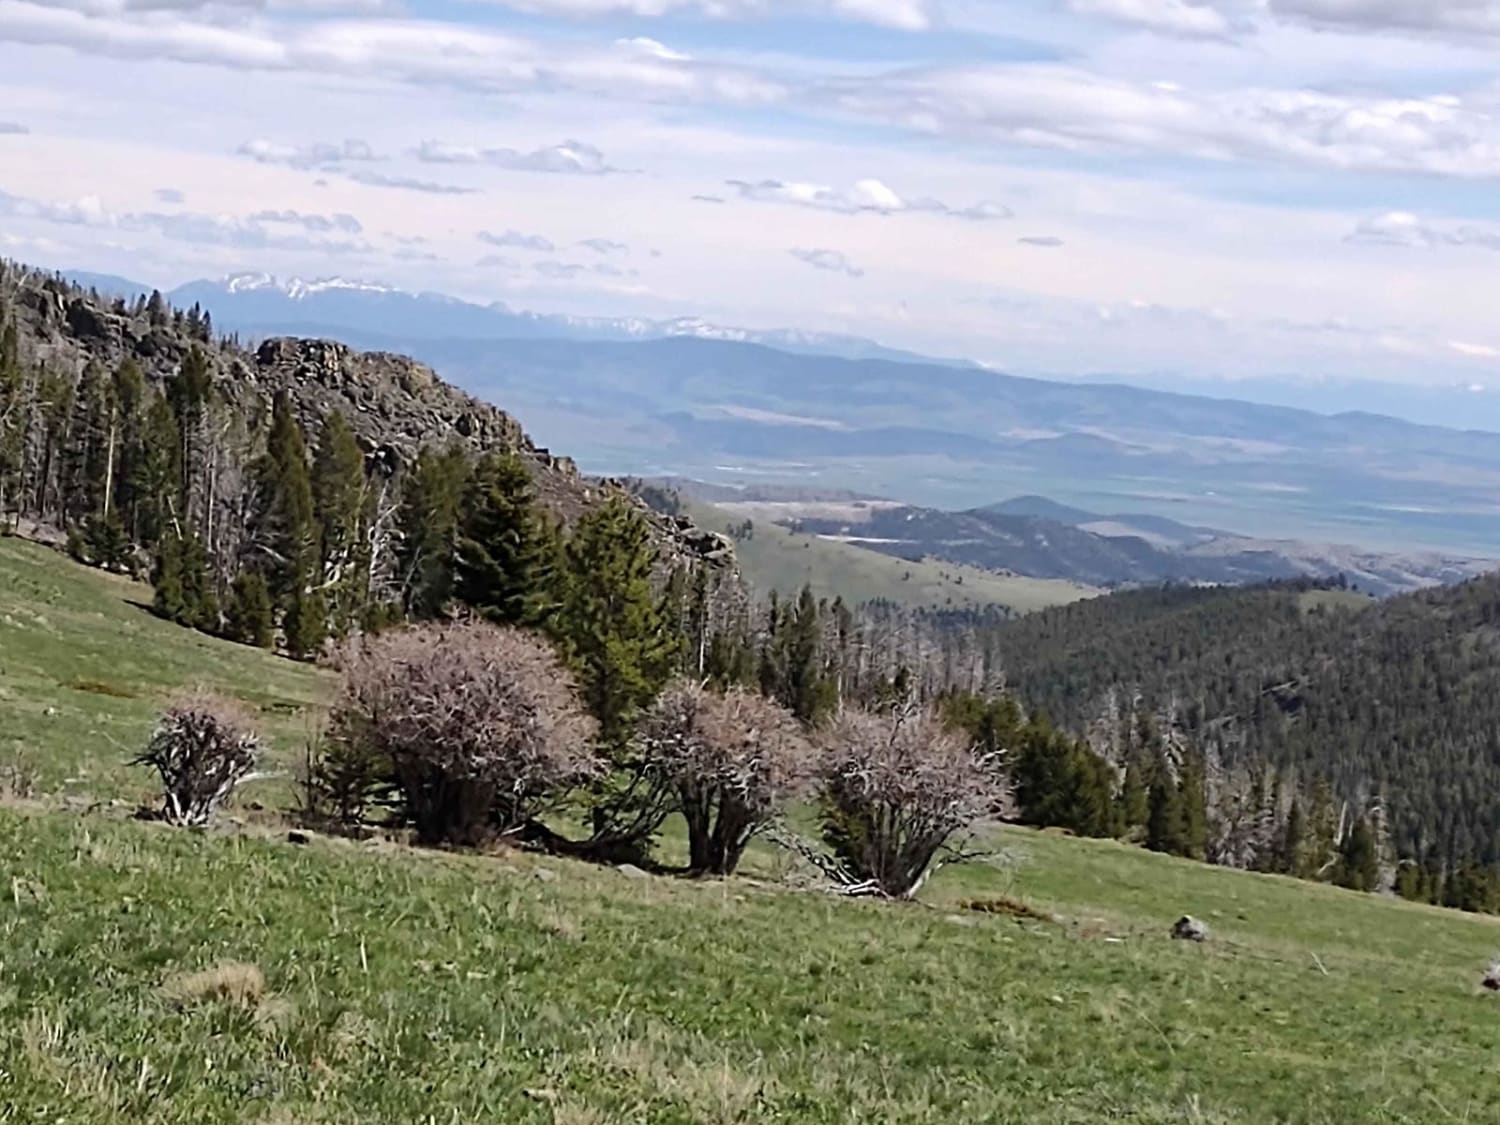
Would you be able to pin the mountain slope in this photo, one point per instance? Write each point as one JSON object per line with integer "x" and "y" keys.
{"x": 394, "y": 404}
{"x": 1392, "y": 699}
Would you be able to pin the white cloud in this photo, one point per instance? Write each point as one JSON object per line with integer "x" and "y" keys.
{"x": 259, "y": 231}
{"x": 12, "y": 129}
{"x": 1474, "y": 351}
{"x": 605, "y": 246}
{"x": 568, "y": 158}
{"x": 406, "y": 183}
{"x": 168, "y": 195}
{"x": 833, "y": 261}
{"x": 1443, "y": 16}
{"x": 318, "y": 154}
{"x": 906, "y": 15}
{"x": 518, "y": 240}
{"x": 1050, "y": 106}
{"x": 1048, "y": 241}
{"x": 866, "y": 196}
{"x": 1194, "y": 19}
{"x": 1402, "y": 228}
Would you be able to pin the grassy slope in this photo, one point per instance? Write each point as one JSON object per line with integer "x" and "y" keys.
{"x": 408, "y": 987}
{"x": 776, "y": 559}
{"x": 85, "y": 667}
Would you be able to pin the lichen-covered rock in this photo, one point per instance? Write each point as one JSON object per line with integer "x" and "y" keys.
{"x": 1491, "y": 979}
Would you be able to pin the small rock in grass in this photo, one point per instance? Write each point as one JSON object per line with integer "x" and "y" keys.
{"x": 545, "y": 875}
{"x": 631, "y": 871}
{"x": 1189, "y": 928}
{"x": 1491, "y": 979}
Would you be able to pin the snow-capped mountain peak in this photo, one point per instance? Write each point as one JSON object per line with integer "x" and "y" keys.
{"x": 296, "y": 288}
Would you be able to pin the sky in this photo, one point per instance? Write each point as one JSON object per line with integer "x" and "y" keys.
{"x": 1219, "y": 188}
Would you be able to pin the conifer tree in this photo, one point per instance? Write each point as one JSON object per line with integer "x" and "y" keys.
{"x": 14, "y": 415}
{"x": 306, "y": 623}
{"x": 610, "y": 621}
{"x": 1359, "y": 865}
{"x": 804, "y": 689}
{"x": 338, "y": 491}
{"x": 87, "y": 453}
{"x": 126, "y": 441}
{"x": 431, "y": 494}
{"x": 284, "y": 534}
{"x": 1289, "y": 846}
{"x": 1193, "y": 787}
{"x": 249, "y": 616}
{"x": 1164, "y": 819}
{"x": 505, "y": 562}
{"x": 1135, "y": 798}
{"x": 158, "y": 503}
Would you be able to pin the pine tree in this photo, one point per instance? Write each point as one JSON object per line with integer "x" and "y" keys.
{"x": 1289, "y": 846}
{"x": 1359, "y": 865}
{"x": 188, "y": 393}
{"x": 306, "y": 623}
{"x": 338, "y": 491}
{"x": 87, "y": 452}
{"x": 505, "y": 560}
{"x": 284, "y": 534}
{"x": 127, "y": 445}
{"x": 159, "y": 496}
{"x": 169, "y": 599}
{"x": 249, "y": 616}
{"x": 200, "y": 603}
{"x": 14, "y": 417}
{"x": 1164, "y": 820}
{"x": 804, "y": 690}
{"x": 431, "y": 494}
{"x": 1135, "y": 798}
{"x": 610, "y": 622}
{"x": 1193, "y": 787}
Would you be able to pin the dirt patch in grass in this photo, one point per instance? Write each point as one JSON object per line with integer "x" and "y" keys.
{"x": 99, "y": 687}
{"x": 1009, "y": 907}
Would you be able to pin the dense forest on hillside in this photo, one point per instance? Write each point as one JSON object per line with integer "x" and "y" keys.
{"x": 303, "y": 492}
{"x": 1393, "y": 701}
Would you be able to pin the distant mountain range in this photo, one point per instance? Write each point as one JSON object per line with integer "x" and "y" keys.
{"x": 259, "y": 304}
{"x": 684, "y": 397}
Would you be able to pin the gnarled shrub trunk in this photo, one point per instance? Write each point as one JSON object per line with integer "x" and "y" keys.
{"x": 203, "y": 746}
{"x": 734, "y": 760}
{"x": 474, "y": 727}
{"x": 896, "y": 787}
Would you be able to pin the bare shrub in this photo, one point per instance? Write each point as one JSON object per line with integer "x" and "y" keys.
{"x": 733, "y": 759}
{"x": 474, "y": 726}
{"x": 203, "y": 746}
{"x": 896, "y": 787}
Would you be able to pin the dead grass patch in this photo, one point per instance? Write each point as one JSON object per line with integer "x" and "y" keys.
{"x": 232, "y": 982}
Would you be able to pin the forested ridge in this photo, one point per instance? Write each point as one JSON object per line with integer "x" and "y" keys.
{"x": 1391, "y": 701}
{"x": 302, "y": 492}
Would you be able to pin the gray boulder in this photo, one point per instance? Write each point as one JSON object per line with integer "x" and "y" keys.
{"x": 1189, "y": 928}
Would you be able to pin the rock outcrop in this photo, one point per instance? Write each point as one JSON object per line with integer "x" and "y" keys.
{"x": 394, "y": 404}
